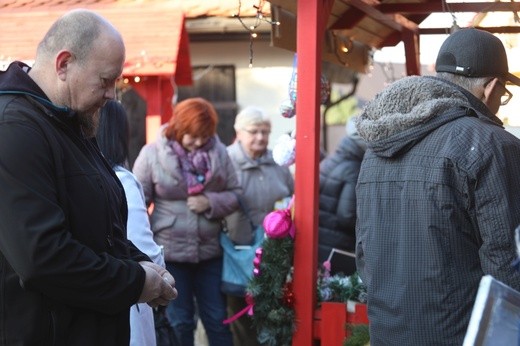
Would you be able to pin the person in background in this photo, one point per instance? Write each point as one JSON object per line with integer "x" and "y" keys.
{"x": 337, "y": 202}
{"x": 68, "y": 272}
{"x": 438, "y": 194}
{"x": 113, "y": 138}
{"x": 263, "y": 183}
{"x": 188, "y": 176}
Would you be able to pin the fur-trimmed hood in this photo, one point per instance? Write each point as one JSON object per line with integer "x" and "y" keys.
{"x": 411, "y": 108}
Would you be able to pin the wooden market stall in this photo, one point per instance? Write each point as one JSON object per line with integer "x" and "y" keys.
{"x": 357, "y": 23}
{"x": 339, "y": 31}
{"x": 157, "y": 45}
{"x": 157, "y": 52}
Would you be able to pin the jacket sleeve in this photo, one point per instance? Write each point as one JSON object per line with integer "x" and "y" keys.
{"x": 289, "y": 180}
{"x": 34, "y": 235}
{"x": 224, "y": 202}
{"x": 347, "y": 172}
{"x": 143, "y": 172}
{"x": 497, "y": 211}
{"x": 138, "y": 225}
{"x": 346, "y": 211}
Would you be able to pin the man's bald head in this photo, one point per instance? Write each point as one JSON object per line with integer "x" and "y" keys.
{"x": 75, "y": 31}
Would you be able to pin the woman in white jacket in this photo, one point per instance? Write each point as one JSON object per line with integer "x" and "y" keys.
{"x": 112, "y": 137}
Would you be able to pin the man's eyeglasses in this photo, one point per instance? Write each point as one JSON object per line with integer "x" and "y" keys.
{"x": 507, "y": 96}
{"x": 256, "y": 132}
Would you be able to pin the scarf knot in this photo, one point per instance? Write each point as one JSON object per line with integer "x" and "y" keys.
{"x": 195, "y": 165}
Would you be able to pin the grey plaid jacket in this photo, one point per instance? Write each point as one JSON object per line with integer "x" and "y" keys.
{"x": 438, "y": 199}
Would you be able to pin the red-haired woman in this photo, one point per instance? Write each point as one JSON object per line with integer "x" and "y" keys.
{"x": 188, "y": 176}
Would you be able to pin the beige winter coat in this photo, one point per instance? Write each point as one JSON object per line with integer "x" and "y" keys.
{"x": 186, "y": 236}
{"x": 263, "y": 183}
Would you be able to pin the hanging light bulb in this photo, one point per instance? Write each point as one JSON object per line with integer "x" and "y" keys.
{"x": 344, "y": 44}
{"x": 454, "y": 27}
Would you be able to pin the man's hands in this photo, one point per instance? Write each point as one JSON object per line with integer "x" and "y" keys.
{"x": 159, "y": 285}
{"x": 198, "y": 204}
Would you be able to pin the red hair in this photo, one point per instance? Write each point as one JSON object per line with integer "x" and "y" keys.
{"x": 195, "y": 117}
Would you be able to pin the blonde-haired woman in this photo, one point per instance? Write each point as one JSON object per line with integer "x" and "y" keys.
{"x": 263, "y": 183}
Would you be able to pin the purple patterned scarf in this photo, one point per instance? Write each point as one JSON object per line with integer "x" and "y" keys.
{"x": 195, "y": 165}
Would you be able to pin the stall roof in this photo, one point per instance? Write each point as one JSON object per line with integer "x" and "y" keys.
{"x": 358, "y": 26}
{"x": 156, "y": 39}
{"x": 154, "y": 30}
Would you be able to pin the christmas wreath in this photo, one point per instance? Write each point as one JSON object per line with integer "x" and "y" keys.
{"x": 271, "y": 286}
{"x": 338, "y": 287}
{"x": 270, "y": 291}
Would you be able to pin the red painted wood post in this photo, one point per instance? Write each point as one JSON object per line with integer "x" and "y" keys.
{"x": 333, "y": 323}
{"x": 332, "y": 319}
{"x": 357, "y": 313}
{"x": 306, "y": 171}
{"x": 311, "y": 19}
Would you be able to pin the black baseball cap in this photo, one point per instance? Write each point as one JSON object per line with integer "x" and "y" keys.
{"x": 474, "y": 53}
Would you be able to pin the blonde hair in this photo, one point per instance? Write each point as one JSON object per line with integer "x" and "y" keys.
{"x": 251, "y": 116}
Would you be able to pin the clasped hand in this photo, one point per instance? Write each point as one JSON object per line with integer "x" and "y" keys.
{"x": 198, "y": 204}
{"x": 159, "y": 285}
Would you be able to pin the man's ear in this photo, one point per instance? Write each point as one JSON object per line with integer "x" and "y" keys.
{"x": 63, "y": 59}
{"x": 488, "y": 91}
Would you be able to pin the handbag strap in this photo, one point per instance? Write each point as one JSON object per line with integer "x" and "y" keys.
{"x": 243, "y": 205}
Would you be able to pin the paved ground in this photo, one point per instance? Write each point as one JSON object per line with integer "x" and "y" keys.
{"x": 200, "y": 335}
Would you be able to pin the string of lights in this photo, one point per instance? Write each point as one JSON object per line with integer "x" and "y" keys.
{"x": 259, "y": 19}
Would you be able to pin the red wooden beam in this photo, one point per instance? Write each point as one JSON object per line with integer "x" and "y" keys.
{"x": 395, "y": 21}
{"x": 332, "y": 319}
{"x": 310, "y": 28}
{"x": 348, "y": 19}
{"x": 334, "y": 324}
{"x": 411, "y": 52}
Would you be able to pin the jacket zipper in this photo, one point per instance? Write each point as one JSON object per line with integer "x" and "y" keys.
{"x": 52, "y": 328}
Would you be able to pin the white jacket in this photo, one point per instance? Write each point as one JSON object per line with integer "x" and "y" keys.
{"x": 142, "y": 328}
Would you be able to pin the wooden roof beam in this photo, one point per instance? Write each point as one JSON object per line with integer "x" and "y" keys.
{"x": 492, "y": 29}
{"x": 349, "y": 19}
{"x": 432, "y": 7}
{"x": 411, "y": 52}
{"x": 396, "y": 21}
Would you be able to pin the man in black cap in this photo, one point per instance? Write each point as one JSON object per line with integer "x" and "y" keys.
{"x": 438, "y": 195}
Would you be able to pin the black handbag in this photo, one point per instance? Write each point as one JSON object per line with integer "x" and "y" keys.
{"x": 164, "y": 332}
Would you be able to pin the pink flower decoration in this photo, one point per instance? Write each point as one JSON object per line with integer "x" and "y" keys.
{"x": 250, "y": 303}
{"x": 256, "y": 262}
{"x": 326, "y": 265}
{"x": 278, "y": 224}
{"x": 248, "y": 309}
